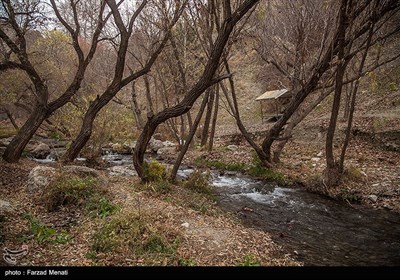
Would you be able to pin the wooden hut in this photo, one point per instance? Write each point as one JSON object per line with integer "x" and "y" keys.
{"x": 272, "y": 104}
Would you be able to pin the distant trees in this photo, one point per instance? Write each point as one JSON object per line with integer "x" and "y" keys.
{"x": 346, "y": 41}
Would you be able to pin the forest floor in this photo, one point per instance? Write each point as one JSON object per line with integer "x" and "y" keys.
{"x": 140, "y": 225}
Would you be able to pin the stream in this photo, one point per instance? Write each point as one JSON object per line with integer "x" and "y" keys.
{"x": 311, "y": 228}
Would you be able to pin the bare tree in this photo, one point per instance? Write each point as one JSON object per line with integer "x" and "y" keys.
{"x": 119, "y": 81}
{"x": 21, "y": 16}
{"x": 362, "y": 14}
{"x": 207, "y": 79}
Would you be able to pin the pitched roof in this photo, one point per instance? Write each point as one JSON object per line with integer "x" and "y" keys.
{"x": 274, "y": 94}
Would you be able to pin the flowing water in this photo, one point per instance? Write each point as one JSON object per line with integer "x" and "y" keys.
{"x": 313, "y": 229}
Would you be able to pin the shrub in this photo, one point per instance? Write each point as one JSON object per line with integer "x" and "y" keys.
{"x": 70, "y": 190}
{"x": 154, "y": 171}
{"x": 199, "y": 182}
{"x": 101, "y": 206}
{"x": 249, "y": 260}
{"x": 143, "y": 236}
{"x": 43, "y": 233}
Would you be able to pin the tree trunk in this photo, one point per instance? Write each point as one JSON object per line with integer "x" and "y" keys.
{"x": 87, "y": 125}
{"x": 353, "y": 100}
{"x": 206, "y": 80}
{"x": 214, "y": 120}
{"x": 332, "y": 174}
{"x": 189, "y": 138}
{"x": 11, "y": 118}
{"x": 296, "y": 119}
{"x": 207, "y": 120}
{"x": 17, "y": 145}
{"x": 236, "y": 114}
{"x": 349, "y": 90}
{"x": 150, "y": 107}
{"x": 137, "y": 113}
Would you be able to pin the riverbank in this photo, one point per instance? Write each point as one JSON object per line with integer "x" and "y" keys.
{"x": 178, "y": 227}
{"x": 372, "y": 176}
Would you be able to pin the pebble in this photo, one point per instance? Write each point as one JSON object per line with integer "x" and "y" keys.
{"x": 185, "y": 225}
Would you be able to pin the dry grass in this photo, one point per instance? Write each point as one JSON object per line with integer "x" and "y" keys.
{"x": 155, "y": 219}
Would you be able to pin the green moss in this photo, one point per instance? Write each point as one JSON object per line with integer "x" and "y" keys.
{"x": 258, "y": 170}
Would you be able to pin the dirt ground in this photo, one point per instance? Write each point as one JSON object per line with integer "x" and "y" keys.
{"x": 206, "y": 237}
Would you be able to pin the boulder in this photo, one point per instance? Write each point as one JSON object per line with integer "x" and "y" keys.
{"x": 39, "y": 177}
{"x": 41, "y": 151}
{"x": 373, "y": 198}
{"x": 84, "y": 171}
{"x": 129, "y": 147}
{"x": 168, "y": 144}
{"x": 127, "y": 170}
{"x": 5, "y": 141}
{"x": 5, "y": 206}
{"x": 166, "y": 151}
{"x": 232, "y": 148}
{"x": 155, "y": 145}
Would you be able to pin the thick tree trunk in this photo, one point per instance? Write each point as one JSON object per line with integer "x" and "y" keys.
{"x": 214, "y": 120}
{"x": 87, "y": 125}
{"x": 189, "y": 138}
{"x": 17, "y": 145}
{"x": 205, "y": 81}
